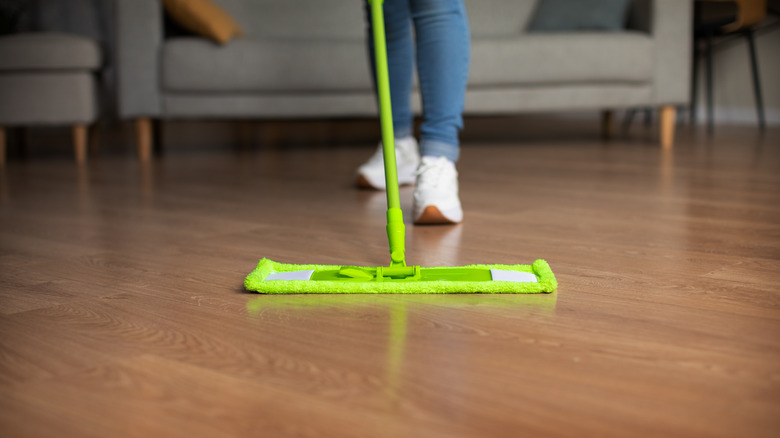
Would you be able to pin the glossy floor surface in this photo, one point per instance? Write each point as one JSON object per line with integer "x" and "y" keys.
{"x": 122, "y": 309}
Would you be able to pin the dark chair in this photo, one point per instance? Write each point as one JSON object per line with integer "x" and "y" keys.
{"x": 719, "y": 18}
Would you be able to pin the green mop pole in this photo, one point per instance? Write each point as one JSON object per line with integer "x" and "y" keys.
{"x": 395, "y": 219}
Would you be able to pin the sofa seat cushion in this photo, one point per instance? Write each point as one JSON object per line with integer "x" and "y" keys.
{"x": 48, "y": 51}
{"x": 562, "y": 58}
{"x": 43, "y": 98}
{"x": 255, "y": 65}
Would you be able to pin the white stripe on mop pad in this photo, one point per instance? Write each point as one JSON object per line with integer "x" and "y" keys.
{"x": 518, "y": 277}
{"x": 292, "y": 275}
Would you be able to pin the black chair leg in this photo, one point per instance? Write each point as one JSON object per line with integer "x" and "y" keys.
{"x": 708, "y": 56}
{"x": 628, "y": 119}
{"x": 158, "y": 135}
{"x": 648, "y": 120}
{"x": 694, "y": 84}
{"x": 756, "y": 78}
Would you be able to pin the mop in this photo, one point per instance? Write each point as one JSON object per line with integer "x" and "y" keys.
{"x": 279, "y": 278}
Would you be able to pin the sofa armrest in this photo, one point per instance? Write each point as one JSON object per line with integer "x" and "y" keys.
{"x": 671, "y": 28}
{"x": 139, "y": 42}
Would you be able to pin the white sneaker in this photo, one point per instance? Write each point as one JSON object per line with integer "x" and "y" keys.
{"x": 436, "y": 194}
{"x": 407, "y": 157}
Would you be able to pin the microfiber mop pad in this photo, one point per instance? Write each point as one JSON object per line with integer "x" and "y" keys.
{"x": 271, "y": 277}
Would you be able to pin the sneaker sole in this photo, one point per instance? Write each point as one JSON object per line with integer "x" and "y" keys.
{"x": 363, "y": 183}
{"x": 432, "y": 216}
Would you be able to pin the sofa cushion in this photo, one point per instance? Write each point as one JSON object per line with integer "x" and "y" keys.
{"x": 562, "y": 58}
{"x": 345, "y": 19}
{"x": 568, "y": 15}
{"x": 60, "y": 97}
{"x": 254, "y": 65}
{"x": 48, "y": 51}
{"x": 498, "y": 18}
{"x": 302, "y": 20}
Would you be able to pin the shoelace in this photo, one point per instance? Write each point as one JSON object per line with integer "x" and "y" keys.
{"x": 433, "y": 171}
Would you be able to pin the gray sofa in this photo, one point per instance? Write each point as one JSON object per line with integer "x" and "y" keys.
{"x": 308, "y": 58}
{"x": 48, "y": 78}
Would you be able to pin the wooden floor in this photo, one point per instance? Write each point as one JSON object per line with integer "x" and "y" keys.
{"x": 122, "y": 310}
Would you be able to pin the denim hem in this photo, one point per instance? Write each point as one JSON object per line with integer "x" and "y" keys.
{"x": 435, "y": 148}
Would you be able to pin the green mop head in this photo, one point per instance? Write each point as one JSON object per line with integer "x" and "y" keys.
{"x": 279, "y": 278}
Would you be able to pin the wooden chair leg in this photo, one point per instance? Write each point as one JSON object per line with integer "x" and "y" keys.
{"x": 667, "y": 120}
{"x": 607, "y": 124}
{"x": 80, "y": 143}
{"x": 143, "y": 137}
{"x": 2, "y": 146}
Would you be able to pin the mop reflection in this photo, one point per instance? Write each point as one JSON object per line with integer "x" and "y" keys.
{"x": 402, "y": 308}
{"x": 396, "y": 347}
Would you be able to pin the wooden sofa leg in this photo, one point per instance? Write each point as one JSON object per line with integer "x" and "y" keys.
{"x": 667, "y": 119}
{"x": 143, "y": 137}
{"x": 2, "y": 146}
{"x": 80, "y": 143}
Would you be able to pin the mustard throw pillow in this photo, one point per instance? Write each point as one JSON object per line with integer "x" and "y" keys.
{"x": 204, "y": 18}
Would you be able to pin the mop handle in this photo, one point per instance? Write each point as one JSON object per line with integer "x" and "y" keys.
{"x": 395, "y": 221}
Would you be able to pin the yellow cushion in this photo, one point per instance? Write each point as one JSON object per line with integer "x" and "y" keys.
{"x": 204, "y": 18}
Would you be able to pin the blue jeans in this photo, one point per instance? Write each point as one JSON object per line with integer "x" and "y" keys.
{"x": 442, "y": 42}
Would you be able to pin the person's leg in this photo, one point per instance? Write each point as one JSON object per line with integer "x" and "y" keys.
{"x": 443, "y": 54}
{"x": 400, "y": 60}
{"x": 400, "y": 54}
